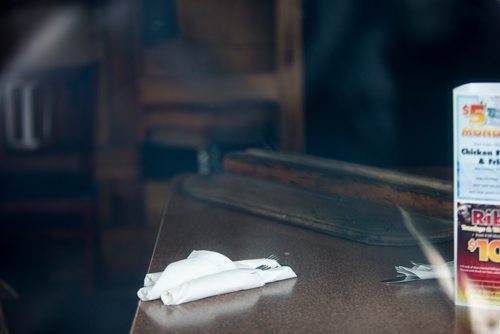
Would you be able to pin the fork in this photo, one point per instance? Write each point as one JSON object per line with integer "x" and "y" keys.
{"x": 263, "y": 267}
{"x": 266, "y": 267}
{"x": 273, "y": 257}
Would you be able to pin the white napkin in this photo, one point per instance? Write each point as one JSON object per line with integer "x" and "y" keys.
{"x": 151, "y": 279}
{"x": 205, "y": 273}
{"x": 224, "y": 282}
{"x": 197, "y": 264}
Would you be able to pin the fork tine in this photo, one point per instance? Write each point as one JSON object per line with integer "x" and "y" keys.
{"x": 273, "y": 257}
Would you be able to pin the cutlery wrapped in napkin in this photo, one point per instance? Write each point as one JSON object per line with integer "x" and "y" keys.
{"x": 421, "y": 271}
{"x": 205, "y": 273}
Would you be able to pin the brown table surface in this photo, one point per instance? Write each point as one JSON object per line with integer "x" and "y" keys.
{"x": 338, "y": 288}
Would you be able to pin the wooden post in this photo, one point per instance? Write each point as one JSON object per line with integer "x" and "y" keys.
{"x": 117, "y": 151}
{"x": 290, "y": 74}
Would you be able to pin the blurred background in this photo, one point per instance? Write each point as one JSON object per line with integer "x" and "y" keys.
{"x": 102, "y": 103}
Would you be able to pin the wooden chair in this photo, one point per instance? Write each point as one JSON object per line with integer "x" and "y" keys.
{"x": 46, "y": 157}
{"x": 227, "y": 75}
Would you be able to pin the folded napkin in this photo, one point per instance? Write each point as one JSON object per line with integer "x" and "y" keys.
{"x": 197, "y": 264}
{"x": 204, "y": 273}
